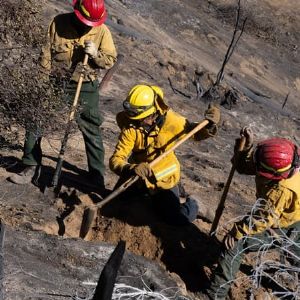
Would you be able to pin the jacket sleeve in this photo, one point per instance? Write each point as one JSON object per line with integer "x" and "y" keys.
{"x": 202, "y": 134}
{"x": 245, "y": 162}
{"x": 265, "y": 214}
{"x": 118, "y": 162}
{"x": 45, "y": 55}
{"x": 107, "y": 53}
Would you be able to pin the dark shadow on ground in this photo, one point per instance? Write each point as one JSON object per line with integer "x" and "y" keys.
{"x": 68, "y": 166}
{"x": 71, "y": 177}
{"x": 70, "y": 201}
{"x": 72, "y": 182}
{"x": 186, "y": 250}
{"x": 10, "y": 163}
{"x": 8, "y": 145}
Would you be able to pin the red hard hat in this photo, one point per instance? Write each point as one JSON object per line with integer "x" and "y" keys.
{"x": 90, "y": 12}
{"x": 276, "y": 158}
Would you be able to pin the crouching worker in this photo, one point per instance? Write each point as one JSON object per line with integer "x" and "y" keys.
{"x": 276, "y": 214}
{"x": 149, "y": 128}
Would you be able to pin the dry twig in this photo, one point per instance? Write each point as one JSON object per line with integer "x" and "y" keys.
{"x": 235, "y": 39}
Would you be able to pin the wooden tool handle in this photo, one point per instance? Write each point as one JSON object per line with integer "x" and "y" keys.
{"x": 133, "y": 179}
{"x": 77, "y": 93}
{"x": 221, "y": 205}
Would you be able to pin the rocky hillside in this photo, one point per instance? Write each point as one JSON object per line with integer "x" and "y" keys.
{"x": 179, "y": 46}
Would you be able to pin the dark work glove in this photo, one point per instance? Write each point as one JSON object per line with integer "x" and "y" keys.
{"x": 143, "y": 170}
{"x": 213, "y": 114}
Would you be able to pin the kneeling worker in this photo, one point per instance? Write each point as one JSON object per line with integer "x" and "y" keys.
{"x": 275, "y": 217}
{"x": 148, "y": 129}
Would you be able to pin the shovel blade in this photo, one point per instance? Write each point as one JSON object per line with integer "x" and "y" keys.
{"x": 87, "y": 221}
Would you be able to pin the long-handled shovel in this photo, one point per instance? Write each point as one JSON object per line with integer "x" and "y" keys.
{"x": 60, "y": 159}
{"x": 89, "y": 213}
{"x": 221, "y": 204}
{"x": 61, "y": 154}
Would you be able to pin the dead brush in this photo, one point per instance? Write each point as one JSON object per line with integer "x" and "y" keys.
{"x": 141, "y": 292}
{"x": 29, "y": 97}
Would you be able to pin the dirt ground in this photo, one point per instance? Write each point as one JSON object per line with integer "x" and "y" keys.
{"x": 167, "y": 43}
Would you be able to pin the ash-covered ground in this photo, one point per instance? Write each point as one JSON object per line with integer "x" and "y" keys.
{"x": 172, "y": 44}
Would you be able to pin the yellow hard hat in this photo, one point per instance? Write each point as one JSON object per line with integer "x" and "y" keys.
{"x": 140, "y": 102}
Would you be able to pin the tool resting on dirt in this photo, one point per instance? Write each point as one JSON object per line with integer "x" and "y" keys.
{"x": 221, "y": 205}
{"x": 89, "y": 213}
{"x": 61, "y": 154}
{"x": 102, "y": 85}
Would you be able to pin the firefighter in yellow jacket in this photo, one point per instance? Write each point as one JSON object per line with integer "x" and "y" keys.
{"x": 70, "y": 36}
{"x": 149, "y": 128}
{"x": 275, "y": 164}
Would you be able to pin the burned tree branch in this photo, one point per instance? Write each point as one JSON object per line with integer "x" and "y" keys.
{"x": 285, "y": 100}
{"x": 171, "y": 85}
{"x": 177, "y": 91}
{"x": 232, "y": 45}
{"x": 107, "y": 279}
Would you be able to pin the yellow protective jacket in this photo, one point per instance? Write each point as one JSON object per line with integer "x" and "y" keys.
{"x": 64, "y": 47}
{"x": 135, "y": 145}
{"x": 280, "y": 207}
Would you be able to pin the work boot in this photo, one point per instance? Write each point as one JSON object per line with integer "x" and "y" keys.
{"x": 25, "y": 176}
{"x": 205, "y": 212}
{"x": 96, "y": 179}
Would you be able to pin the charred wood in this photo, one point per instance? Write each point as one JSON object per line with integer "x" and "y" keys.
{"x": 107, "y": 279}
{"x": 177, "y": 91}
{"x": 234, "y": 41}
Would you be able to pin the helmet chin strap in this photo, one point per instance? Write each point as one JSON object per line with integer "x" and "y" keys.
{"x": 159, "y": 121}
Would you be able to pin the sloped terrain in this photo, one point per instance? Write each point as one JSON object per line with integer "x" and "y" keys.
{"x": 171, "y": 44}
{"x": 39, "y": 266}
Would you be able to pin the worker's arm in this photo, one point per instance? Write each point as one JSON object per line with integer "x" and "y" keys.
{"x": 265, "y": 214}
{"x": 118, "y": 162}
{"x": 212, "y": 114}
{"x": 245, "y": 162}
{"x": 105, "y": 55}
{"x": 45, "y": 55}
